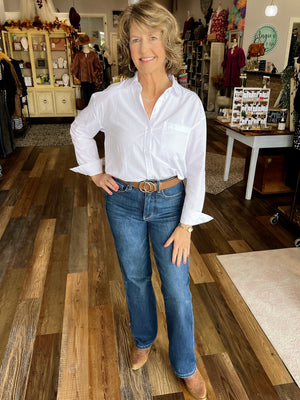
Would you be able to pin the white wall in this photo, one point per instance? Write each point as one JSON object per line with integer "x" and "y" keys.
{"x": 255, "y": 18}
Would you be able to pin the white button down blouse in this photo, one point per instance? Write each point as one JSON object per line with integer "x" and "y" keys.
{"x": 171, "y": 143}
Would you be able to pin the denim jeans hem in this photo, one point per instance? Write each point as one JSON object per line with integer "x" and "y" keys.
{"x": 144, "y": 347}
{"x": 183, "y": 376}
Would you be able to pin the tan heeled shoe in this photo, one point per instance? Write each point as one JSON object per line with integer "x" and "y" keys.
{"x": 195, "y": 385}
{"x": 138, "y": 357}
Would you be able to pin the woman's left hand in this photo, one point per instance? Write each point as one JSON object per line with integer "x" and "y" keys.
{"x": 181, "y": 240}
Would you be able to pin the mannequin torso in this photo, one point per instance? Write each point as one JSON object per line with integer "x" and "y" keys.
{"x": 233, "y": 46}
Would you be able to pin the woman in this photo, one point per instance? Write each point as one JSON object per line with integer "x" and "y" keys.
{"x": 155, "y": 136}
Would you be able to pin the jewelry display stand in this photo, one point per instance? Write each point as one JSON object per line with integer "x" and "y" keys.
{"x": 250, "y": 108}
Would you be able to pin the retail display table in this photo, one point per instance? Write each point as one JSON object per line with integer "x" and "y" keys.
{"x": 256, "y": 140}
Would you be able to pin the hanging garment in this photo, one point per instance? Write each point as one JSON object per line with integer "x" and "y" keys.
{"x": 188, "y": 26}
{"x": 18, "y": 122}
{"x": 85, "y": 66}
{"x": 16, "y": 65}
{"x": 219, "y": 25}
{"x": 8, "y": 83}
{"x": 233, "y": 62}
{"x": 7, "y": 144}
{"x": 18, "y": 96}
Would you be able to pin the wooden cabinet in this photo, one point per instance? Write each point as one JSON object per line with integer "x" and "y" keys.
{"x": 44, "y": 102}
{"x": 64, "y": 102}
{"x": 51, "y": 102}
{"x": 271, "y": 171}
{"x": 45, "y": 60}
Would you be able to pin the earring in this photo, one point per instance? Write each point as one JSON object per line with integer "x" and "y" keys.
{"x": 129, "y": 67}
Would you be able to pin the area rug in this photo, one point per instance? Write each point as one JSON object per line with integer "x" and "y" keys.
{"x": 269, "y": 282}
{"x": 45, "y": 135}
{"x": 215, "y": 164}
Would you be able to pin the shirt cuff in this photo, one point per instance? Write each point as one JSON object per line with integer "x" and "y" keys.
{"x": 90, "y": 169}
{"x": 195, "y": 218}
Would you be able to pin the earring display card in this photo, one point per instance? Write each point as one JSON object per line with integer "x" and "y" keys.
{"x": 250, "y": 108}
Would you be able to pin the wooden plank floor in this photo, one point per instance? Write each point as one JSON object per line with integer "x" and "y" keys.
{"x": 64, "y": 325}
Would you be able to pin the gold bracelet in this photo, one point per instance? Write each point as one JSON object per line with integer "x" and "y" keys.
{"x": 186, "y": 229}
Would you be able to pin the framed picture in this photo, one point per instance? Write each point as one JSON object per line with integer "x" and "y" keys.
{"x": 275, "y": 115}
{"x": 41, "y": 63}
{"x": 27, "y": 80}
{"x": 116, "y": 16}
{"x": 58, "y": 44}
{"x": 234, "y": 35}
{"x": 17, "y": 45}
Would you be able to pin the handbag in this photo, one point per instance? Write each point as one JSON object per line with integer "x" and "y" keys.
{"x": 256, "y": 49}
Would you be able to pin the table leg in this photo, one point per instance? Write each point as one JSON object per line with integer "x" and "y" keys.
{"x": 251, "y": 174}
{"x": 228, "y": 157}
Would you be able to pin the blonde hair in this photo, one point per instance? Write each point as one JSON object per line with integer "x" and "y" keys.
{"x": 152, "y": 15}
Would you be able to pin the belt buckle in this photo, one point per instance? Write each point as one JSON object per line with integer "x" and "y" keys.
{"x": 147, "y": 187}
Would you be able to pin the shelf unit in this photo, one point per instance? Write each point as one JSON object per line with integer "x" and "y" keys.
{"x": 203, "y": 60}
{"x": 45, "y": 63}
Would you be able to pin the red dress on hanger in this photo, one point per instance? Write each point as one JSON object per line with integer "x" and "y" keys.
{"x": 232, "y": 63}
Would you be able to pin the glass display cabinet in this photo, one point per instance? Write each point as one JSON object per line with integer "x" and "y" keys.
{"x": 44, "y": 58}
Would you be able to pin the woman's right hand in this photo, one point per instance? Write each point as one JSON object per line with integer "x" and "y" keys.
{"x": 106, "y": 182}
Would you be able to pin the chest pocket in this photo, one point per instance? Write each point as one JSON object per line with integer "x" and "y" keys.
{"x": 174, "y": 138}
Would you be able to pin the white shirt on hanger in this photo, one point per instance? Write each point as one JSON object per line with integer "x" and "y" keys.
{"x": 171, "y": 143}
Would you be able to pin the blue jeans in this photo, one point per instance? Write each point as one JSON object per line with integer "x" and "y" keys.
{"x": 135, "y": 217}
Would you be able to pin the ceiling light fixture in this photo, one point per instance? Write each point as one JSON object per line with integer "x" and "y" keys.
{"x": 271, "y": 10}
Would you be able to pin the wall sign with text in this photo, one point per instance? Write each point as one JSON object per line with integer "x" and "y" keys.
{"x": 268, "y": 36}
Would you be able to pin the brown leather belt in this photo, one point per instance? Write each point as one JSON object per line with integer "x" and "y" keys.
{"x": 150, "y": 187}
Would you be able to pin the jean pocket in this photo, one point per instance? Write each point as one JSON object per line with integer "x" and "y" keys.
{"x": 174, "y": 191}
{"x": 122, "y": 186}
